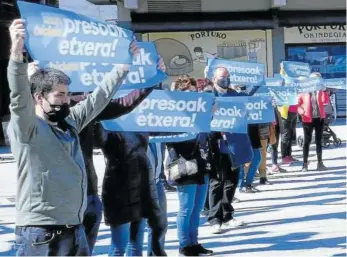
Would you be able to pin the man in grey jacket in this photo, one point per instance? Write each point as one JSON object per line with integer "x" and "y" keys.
{"x": 43, "y": 132}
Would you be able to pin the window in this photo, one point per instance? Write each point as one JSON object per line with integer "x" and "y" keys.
{"x": 329, "y": 59}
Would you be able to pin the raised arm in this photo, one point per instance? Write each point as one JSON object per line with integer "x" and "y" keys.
{"x": 22, "y": 109}
{"x": 87, "y": 110}
{"x": 123, "y": 105}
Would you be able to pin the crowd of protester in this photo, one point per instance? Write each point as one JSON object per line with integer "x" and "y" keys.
{"x": 53, "y": 135}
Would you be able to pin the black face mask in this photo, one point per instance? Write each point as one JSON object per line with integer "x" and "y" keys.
{"x": 224, "y": 83}
{"x": 58, "y": 112}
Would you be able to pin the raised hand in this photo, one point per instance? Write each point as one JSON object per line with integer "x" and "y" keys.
{"x": 32, "y": 68}
{"x": 133, "y": 47}
{"x": 161, "y": 64}
{"x": 17, "y": 34}
{"x": 206, "y": 71}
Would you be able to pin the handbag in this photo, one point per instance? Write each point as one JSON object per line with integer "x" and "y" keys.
{"x": 182, "y": 167}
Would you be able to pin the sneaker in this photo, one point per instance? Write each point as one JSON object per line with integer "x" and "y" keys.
{"x": 321, "y": 167}
{"x": 188, "y": 251}
{"x": 168, "y": 188}
{"x": 216, "y": 229}
{"x": 236, "y": 200}
{"x": 293, "y": 159}
{"x": 201, "y": 251}
{"x": 255, "y": 189}
{"x": 205, "y": 212}
{"x": 287, "y": 160}
{"x": 234, "y": 223}
{"x": 277, "y": 169}
{"x": 247, "y": 190}
{"x": 304, "y": 167}
{"x": 264, "y": 181}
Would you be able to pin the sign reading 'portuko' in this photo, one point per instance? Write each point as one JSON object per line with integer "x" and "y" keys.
{"x": 315, "y": 34}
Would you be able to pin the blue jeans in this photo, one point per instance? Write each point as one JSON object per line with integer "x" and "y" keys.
{"x": 127, "y": 238}
{"x": 252, "y": 169}
{"x": 48, "y": 241}
{"x": 191, "y": 201}
{"x": 92, "y": 220}
{"x": 163, "y": 208}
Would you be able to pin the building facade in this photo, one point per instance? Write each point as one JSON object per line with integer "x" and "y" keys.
{"x": 324, "y": 48}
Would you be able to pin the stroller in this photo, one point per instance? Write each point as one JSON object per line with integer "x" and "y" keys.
{"x": 329, "y": 136}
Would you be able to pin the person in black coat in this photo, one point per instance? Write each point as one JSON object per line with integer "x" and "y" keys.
{"x": 129, "y": 193}
{"x": 116, "y": 108}
{"x": 192, "y": 189}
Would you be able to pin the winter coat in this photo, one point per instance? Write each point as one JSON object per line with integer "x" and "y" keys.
{"x": 198, "y": 149}
{"x": 305, "y": 105}
{"x": 116, "y": 108}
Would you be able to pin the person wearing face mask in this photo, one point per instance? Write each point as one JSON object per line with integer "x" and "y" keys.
{"x": 43, "y": 132}
{"x": 116, "y": 108}
{"x": 129, "y": 193}
{"x": 311, "y": 108}
{"x": 233, "y": 150}
{"x": 192, "y": 189}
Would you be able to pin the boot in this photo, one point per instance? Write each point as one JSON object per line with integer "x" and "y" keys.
{"x": 202, "y": 251}
{"x": 188, "y": 251}
{"x": 168, "y": 188}
{"x": 321, "y": 167}
{"x": 264, "y": 181}
{"x": 304, "y": 167}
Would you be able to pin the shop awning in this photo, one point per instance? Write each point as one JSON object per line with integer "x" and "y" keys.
{"x": 156, "y": 22}
{"x": 311, "y": 18}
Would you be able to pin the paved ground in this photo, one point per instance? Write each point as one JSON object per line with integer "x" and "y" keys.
{"x": 302, "y": 214}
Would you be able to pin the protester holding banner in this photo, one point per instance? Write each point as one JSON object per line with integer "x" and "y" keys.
{"x": 278, "y": 128}
{"x": 43, "y": 131}
{"x": 247, "y": 172}
{"x": 289, "y": 115}
{"x": 156, "y": 153}
{"x": 235, "y": 150}
{"x": 264, "y": 133}
{"x": 117, "y": 107}
{"x": 311, "y": 109}
{"x": 192, "y": 188}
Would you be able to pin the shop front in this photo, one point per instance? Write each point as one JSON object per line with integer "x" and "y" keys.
{"x": 186, "y": 53}
{"x": 324, "y": 48}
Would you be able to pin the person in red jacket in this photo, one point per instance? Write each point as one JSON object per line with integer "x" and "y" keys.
{"x": 311, "y": 109}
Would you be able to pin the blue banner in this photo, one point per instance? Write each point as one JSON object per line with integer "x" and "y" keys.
{"x": 54, "y": 34}
{"x": 260, "y": 109}
{"x": 274, "y": 82}
{"x": 284, "y": 95}
{"x": 296, "y": 69}
{"x": 306, "y": 85}
{"x": 173, "y": 138}
{"x": 262, "y": 91}
{"x": 339, "y": 83}
{"x": 230, "y": 116}
{"x": 86, "y": 76}
{"x": 165, "y": 111}
{"x": 241, "y": 73}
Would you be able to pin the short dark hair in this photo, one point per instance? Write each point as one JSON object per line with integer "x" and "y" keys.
{"x": 198, "y": 49}
{"x": 43, "y": 80}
